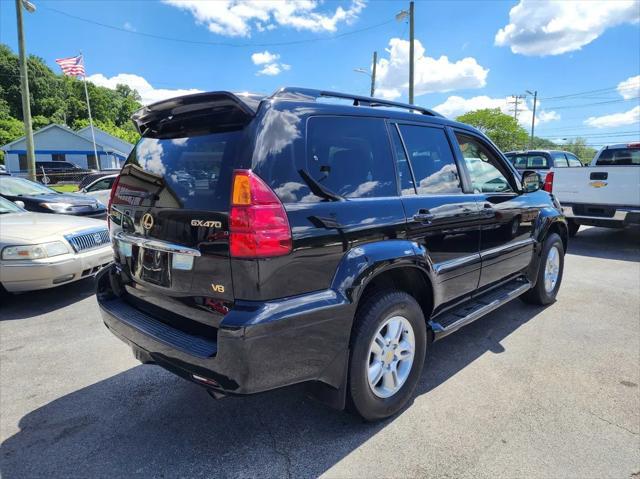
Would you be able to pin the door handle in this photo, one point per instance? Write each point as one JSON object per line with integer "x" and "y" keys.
{"x": 423, "y": 216}
{"x": 488, "y": 210}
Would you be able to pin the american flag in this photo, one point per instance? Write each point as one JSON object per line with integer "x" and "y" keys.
{"x": 72, "y": 66}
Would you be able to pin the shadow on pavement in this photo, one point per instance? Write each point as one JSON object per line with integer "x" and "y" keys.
{"x": 607, "y": 243}
{"x": 146, "y": 422}
{"x": 34, "y": 303}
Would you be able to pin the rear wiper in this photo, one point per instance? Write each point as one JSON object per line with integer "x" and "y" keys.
{"x": 318, "y": 189}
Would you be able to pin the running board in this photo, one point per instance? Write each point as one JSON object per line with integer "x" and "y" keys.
{"x": 477, "y": 307}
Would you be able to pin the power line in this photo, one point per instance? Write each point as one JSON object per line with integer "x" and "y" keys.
{"x": 568, "y": 107}
{"x": 217, "y": 43}
{"x": 571, "y": 95}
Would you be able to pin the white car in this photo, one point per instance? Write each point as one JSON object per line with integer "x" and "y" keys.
{"x": 40, "y": 250}
{"x": 100, "y": 189}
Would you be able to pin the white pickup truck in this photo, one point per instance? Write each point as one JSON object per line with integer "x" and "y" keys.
{"x": 606, "y": 193}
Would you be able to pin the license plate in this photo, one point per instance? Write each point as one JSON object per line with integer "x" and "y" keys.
{"x": 154, "y": 266}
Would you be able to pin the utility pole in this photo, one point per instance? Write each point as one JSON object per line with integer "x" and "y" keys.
{"x": 24, "y": 85}
{"x": 411, "y": 53}
{"x": 516, "y": 103}
{"x": 373, "y": 74}
{"x": 533, "y": 117}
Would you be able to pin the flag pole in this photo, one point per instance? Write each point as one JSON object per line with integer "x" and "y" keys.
{"x": 93, "y": 135}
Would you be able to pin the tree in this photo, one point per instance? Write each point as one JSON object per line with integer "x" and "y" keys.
{"x": 503, "y": 129}
{"x": 125, "y": 134}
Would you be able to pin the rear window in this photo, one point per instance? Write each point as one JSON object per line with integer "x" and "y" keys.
{"x": 529, "y": 162}
{"x": 190, "y": 172}
{"x": 349, "y": 156}
{"x": 619, "y": 156}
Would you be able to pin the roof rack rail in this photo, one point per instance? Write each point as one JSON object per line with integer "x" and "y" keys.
{"x": 358, "y": 100}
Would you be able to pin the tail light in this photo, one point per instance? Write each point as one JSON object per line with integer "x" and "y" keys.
{"x": 111, "y": 195}
{"x": 548, "y": 182}
{"x": 258, "y": 224}
{"x": 633, "y": 145}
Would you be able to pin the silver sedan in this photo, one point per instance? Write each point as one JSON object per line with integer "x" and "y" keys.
{"x": 39, "y": 250}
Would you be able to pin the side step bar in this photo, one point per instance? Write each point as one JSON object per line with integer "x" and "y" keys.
{"x": 477, "y": 307}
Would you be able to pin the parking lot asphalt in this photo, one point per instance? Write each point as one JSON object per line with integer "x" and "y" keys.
{"x": 524, "y": 392}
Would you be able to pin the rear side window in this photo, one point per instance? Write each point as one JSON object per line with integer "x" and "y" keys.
{"x": 573, "y": 160}
{"x": 431, "y": 159}
{"x": 619, "y": 156}
{"x": 190, "y": 172}
{"x": 559, "y": 160}
{"x": 402, "y": 164}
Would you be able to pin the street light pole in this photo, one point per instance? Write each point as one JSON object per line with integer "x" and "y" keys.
{"x": 373, "y": 74}
{"x": 411, "y": 53}
{"x": 24, "y": 84}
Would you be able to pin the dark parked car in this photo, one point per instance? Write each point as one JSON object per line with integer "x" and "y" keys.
{"x": 51, "y": 172}
{"x": 39, "y": 198}
{"x": 331, "y": 245}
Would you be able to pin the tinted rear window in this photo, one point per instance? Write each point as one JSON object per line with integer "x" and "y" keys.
{"x": 619, "y": 156}
{"x": 350, "y": 156}
{"x": 191, "y": 172}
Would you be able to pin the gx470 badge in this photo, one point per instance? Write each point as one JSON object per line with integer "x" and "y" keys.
{"x": 206, "y": 224}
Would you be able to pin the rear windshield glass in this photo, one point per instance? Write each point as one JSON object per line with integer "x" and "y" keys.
{"x": 191, "y": 172}
{"x": 619, "y": 156}
{"x": 529, "y": 162}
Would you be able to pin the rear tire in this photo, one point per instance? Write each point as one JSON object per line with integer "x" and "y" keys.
{"x": 573, "y": 228}
{"x": 388, "y": 347}
{"x": 549, "y": 273}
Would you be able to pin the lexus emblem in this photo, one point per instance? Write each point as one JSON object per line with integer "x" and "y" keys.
{"x": 147, "y": 221}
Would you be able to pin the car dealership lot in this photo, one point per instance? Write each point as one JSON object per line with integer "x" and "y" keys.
{"x": 526, "y": 391}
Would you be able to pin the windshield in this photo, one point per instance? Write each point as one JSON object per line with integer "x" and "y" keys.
{"x": 7, "y": 206}
{"x": 529, "y": 161}
{"x": 190, "y": 172}
{"x": 11, "y": 186}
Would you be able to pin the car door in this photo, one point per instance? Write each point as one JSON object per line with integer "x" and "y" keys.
{"x": 440, "y": 217}
{"x": 506, "y": 241}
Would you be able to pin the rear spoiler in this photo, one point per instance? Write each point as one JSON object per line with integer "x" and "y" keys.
{"x": 228, "y": 110}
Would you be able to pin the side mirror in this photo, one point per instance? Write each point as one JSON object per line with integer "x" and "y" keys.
{"x": 530, "y": 181}
{"x": 19, "y": 204}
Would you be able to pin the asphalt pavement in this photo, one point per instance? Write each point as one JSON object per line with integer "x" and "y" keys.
{"x": 524, "y": 392}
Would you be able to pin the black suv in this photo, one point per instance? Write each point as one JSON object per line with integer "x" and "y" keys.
{"x": 267, "y": 241}
{"x": 51, "y": 172}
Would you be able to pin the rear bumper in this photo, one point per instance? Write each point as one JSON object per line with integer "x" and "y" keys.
{"x": 258, "y": 346}
{"x": 602, "y": 215}
{"x": 18, "y": 276}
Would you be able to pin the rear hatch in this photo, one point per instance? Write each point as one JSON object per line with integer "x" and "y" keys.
{"x": 170, "y": 207}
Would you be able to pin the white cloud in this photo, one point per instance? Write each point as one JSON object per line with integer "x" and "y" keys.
{"x": 629, "y": 88}
{"x": 148, "y": 93}
{"x": 273, "y": 69}
{"x": 630, "y": 117}
{"x": 269, "y": 60}
{"x": 260, "y": 58}
{"x": 455, "y": 106}
{"x": 553, "y": 27}
{"x": 431, "y": 74}
{"x": 238, "y": 18}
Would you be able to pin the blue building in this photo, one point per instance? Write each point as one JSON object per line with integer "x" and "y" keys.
{"x": 60, "y": 143}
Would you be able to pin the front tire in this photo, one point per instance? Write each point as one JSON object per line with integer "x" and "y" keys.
{"x": 549, "y": 273}
{"x": 388, "y": 347}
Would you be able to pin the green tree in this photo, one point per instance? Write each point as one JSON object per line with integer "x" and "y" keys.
{"x": 128, "y": 135}
{"x": 503, "y": 129}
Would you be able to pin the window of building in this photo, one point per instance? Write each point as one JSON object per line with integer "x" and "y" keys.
{"x": 58, "y": 157}
{"x": 91, "y": 162}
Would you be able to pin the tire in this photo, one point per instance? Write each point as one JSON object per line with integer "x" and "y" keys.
{"x": 381, "y": 313}
{"x": 544, "y": 292}
{"x": 573, "y": 228}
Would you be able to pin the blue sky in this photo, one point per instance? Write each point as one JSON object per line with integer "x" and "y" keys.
{"x": 492, "y": 50}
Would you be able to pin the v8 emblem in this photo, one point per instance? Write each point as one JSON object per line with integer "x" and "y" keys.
{"x": 217, "y": 288}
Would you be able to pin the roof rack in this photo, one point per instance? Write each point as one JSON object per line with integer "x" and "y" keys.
{"x": 295, "y": 93}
